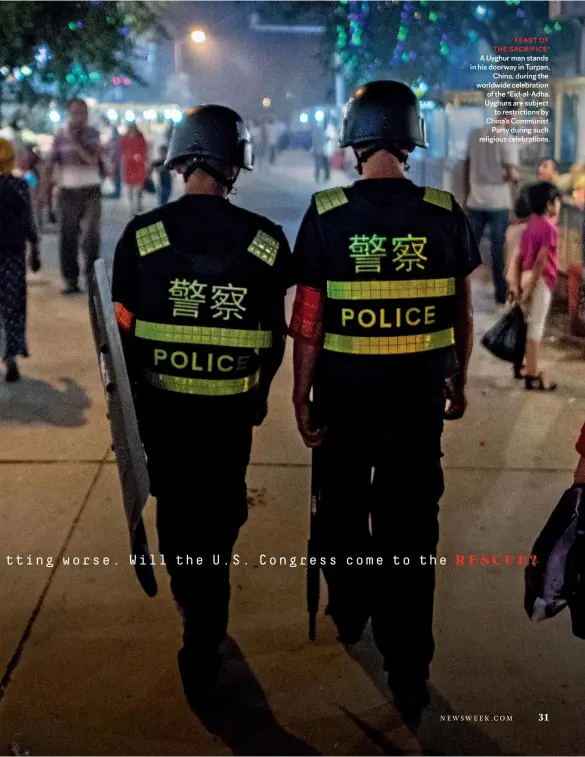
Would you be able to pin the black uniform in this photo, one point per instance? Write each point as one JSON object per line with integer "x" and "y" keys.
{"x": 202, "y": 282}
{"x": 385, "y": 254}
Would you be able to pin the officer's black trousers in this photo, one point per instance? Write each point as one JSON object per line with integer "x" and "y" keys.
{"x": 381, "y": 485}
{"x": 199, "y": 480}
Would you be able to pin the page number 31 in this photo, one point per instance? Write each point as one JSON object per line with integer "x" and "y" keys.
{"x": 543, "y": 718}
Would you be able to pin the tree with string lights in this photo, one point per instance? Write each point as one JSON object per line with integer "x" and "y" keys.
{"x": 428, "y": 44}
{"x": 60, "y": 49}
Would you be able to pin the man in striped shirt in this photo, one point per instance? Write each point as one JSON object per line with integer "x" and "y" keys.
{"x": 76, "y": 151}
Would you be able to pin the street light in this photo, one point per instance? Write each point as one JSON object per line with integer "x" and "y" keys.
{"x": 197, "y": 36}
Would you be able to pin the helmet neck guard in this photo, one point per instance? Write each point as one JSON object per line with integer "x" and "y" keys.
{"x": 201, "y": 164}
{"x": 400, "y": 153}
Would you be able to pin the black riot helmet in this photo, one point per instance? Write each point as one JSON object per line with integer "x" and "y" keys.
{"x": 212, "y": 138}
{"x": 383, "y": 115}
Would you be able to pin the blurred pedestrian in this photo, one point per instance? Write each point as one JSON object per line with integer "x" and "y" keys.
{"x": 548, "y": 170}
{"x": 164, "y": 185}
{"x": 271, "y": 140}
{"x": 331, "y": 140}
{"x": 319, "y": 148}
{"x": 514, "y": 233}
{"x": 50, "y": 178}
{"x": 263, "y": 152}
{"x": 77, "y": 153}
{"x": 537, "y": 271}
{"x": 490, "y": 169}
{"x": 134, "y": 166}
{"x": 113, "y": 156}
{"x": 256, "y": 140}
{"x": 30, "y": 166}
{"x": 282, "y": 136}
{"x": 17, "y": 227}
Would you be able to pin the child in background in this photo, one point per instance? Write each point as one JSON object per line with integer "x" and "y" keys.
{"x": 165, "y": 178}
{"x": 514, "y": 232}
{"x": 536, "y": 266}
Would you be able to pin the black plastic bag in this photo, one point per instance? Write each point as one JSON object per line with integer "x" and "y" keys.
{"x": 149, "y": 186}
{"x": 507, "y": 338}
{"x": 555, "y": 576}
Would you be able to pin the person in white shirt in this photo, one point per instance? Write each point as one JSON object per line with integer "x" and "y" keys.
{"x": 77, "y": 152}
{"x": 490, "y": 170}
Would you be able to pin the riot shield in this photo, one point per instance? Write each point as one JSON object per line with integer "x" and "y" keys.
{"x": 127, "y": 444}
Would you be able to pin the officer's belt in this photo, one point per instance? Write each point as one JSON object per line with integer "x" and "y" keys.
{"x": 390, "y": 290}
{"x": 239, "y": 338}
{"x": 389, "y": 345}
{"x": 202, "y": 387}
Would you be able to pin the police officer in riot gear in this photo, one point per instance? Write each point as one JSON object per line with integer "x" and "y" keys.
{"x": 382, "y": 324}
{"x": 199, "y": 288}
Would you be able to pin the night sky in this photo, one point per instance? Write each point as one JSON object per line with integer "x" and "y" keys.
{"x": 238, "y": 66}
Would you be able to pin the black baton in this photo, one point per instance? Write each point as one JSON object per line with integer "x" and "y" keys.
{"x": 313, "y": 569}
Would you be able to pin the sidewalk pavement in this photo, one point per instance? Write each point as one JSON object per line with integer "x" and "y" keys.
{"x": 88, "y": 662}
{"x": 296, "y": 167}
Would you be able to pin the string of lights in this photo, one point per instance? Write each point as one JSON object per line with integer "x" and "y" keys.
{"x": 425, "y": 43}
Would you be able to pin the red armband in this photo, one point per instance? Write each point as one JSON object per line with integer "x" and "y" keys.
{"x": 580, "y": 446}
{"x": 124, "y": 317}
{"x": 306, "y": 323}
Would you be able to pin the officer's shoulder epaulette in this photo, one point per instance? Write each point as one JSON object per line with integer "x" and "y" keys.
{"x": 328, "y": 199}
{"x": 438, "y": 197}
{"x": 151, "y": 237}
{"x": 264, "y": 246}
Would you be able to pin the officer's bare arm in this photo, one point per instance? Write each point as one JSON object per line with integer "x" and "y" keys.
{"x": 305, "y": 357}
{"x": 463, "y": 326}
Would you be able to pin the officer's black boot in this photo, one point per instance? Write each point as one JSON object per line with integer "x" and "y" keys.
{"x": 198, "y": 674}
{"x": 410, "y": 693}
{"x": 349, "y": 627}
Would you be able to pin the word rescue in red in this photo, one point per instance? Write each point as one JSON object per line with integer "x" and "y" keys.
{"x": 495, "y": 559}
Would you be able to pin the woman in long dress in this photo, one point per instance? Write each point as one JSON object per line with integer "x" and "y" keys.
{"x": 17, "y": 227}
{"x": 134, "y": 166}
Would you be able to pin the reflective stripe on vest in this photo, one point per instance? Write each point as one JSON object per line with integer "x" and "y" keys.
{"x": 437, "y": 291}
{"x": 390, "y": 290}
{"x": 389, "y": 345}
{"x": 239, "y": 338}
{"x": 202, "y": 387}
